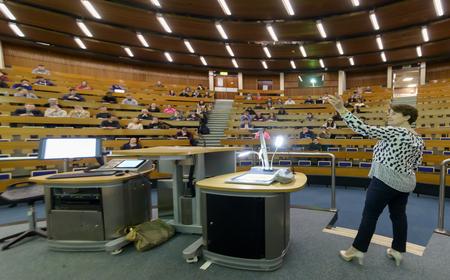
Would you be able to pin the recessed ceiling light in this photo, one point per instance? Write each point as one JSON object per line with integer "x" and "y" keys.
{"x": 303, "y": 51}
{"x": 156, "y": 3}
{"x": 419, "y": 51}
{"x": 267, "y": 52}
{"x": 142, "y": 39}
{"x": 84, "y": 28}
{"x": 339, "y": 48}
{"x": 293, "y": 65}
{"x": 408, "y": 79}
{"x": 6, "y": 11}
{"x": 189, "y": 46}
{"x": 438, "y": 7}
{"x": 168, "y": 56}
{"x": 224, "y": 7}
{"x": 80, "y": 43}
{"x": 222, "y": 33}
{"x": 16, "y": 29}
{"x": 355, "y": 3}
{"x": 383, "y": 56}
{"x": 425, "y": 35}
{"x": 128, "y": 51}
{"x": 264, "y": 64}
{"x": 163, "y": 23}
{"x": 379, "y": 42}
{"x": 235, "y": 63}
{"x": 374, "y": 20}
{"x": 272, "y": 32}
{"x": 288, "y": 7}
{"x": 321, "y": 63}
{"x": 321, "y": 29}
{"x": 203, "y": 60}
{"x": 229, "y": 50}
{"x": 300, "y": 78}
{"x": 91, "y": 9}
{"x": 351, "y": 61}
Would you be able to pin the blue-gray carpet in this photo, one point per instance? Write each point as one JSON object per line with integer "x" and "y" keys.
{"x": 312, "y": 255}
{"x": 422, "y": 211}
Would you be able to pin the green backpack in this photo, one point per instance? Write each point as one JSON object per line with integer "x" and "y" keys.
{"x": 150, "y": 234}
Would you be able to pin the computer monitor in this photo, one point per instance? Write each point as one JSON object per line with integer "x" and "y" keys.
{"x": 68, "y": 148}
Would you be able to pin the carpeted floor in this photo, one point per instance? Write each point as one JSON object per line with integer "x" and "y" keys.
{"x": 312, "y": 255}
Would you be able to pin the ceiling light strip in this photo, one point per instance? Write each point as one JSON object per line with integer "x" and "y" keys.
{"x": 425, "y": 35}
{"x": 383, "y": 56}
{"x": 419, "y": 51}
{"x": 303, "y": 51}
{"x": 264, "y": 64}
{"x": 355, "y": 3}
{"x": 288, "y": 7}
{"x": 222, "y": 33}
{"x": 379, "y": 42}
{"x": 16, "y": 29}
{"x": 236, "y": 65}
{"x": 267, "y": 52}
{"x": 438, "y": 7}
{"x": 321, "y": 63}
{"x": 142, "y": 39}
{"x": 168, "y": 56}
{"x": 351, "y": 61}
{"x": 229, "y": 50}
{"x": 128, "y": 51}
{"x": 156, "y": 3}
{"x": 272, "y": 32}
{"x": 293, "y": 65}
{"x": 84, "y": 28}
{"x": 163, "y": 23}
{"x": 339, "y": 48}
{"x": 80, "y": 43}
{"x": 91, "y": 9}
{"x": 6, "y": 11}
{"x": 321, "y": 29}
{"x": 189, "y": 46}
{"x": 224, "y": 7}
{"x": 374, "y": 20}
{"x": 203, "y": 60}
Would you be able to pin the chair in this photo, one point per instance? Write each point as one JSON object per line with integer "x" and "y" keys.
{"x": 303, "y": 162}
{"x": 357, "y": 137}
{"x": 43, "y": 172}
{"x": 5, "y": 155}
{"x": 368, "y": 149}
{"x": 365, "y": 165}
{"x": 426, "y": 169}
{"x": 349, "y": 149}
{"x": 29, "y": 193}
{"x": 340, "y": 137}
{"x": 427, "y": 152}
{"x": 285, "y": 162}
{"x": 245, "y": 163}
{"x": 324, "y": 163}
{"x": 333, "y": 149}
{"x": 446, "y": 153}
{"x": 445, "y": 138}
{"x": 5, "y": 176}
{"x": 344, "y": 164}
{"x": 426, "y": 138}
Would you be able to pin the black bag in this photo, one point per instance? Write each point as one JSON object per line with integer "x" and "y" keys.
{"x": 203, "y": 129}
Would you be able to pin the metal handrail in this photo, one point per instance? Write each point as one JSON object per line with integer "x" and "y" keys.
{"x": 333, "y": 172}
{"x": 441, "y": 212}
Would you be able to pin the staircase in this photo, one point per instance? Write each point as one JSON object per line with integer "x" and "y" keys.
{"x": 217, "y": 122}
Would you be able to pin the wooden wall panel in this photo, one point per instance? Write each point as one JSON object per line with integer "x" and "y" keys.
{"x": 60, "y": 62}
{"x": 438, "y": 71}
{"x": 251, "y": 81}
{"x": 366, "y": 78}
{"x": 329, "y": 87}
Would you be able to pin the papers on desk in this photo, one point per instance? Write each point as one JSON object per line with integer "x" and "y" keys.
{"x": 254, "y": 179}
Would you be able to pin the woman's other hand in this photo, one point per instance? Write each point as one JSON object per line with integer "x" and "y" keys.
{"x": 337, "y": 102}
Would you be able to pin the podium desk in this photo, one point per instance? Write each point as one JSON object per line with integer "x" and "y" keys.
{"x": 246, "y": 226}
{"x": 84, "y": 214}
{"x": 208, "y": 162}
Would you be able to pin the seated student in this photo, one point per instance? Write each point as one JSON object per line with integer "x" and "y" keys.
{"x": 132, "y": 144}
{"x": 330, "y": 124}
{"x": 193, "y": 116}
{"x": 321, "y": 99}
{"x": 200, "y": 87}
{"x": 201, "y": 107}
{"x": 259, "y": 117}
{"x": 309, "y": 100}
{"x": 282, "y": 111}
{"x": 306, "y": 133}
{"x": 40, "y": 70}
{"x": 79, "y": 112}
{"x": 159, "y": 84}
{"x": 144, "y": 115}
{"x": 169, "y": 110}
{"x": 272, "y": 117}
{"x": 109, "y": 98}
{"x": 129, "y": 100}
{"x": 314, "y": 145}
{"x": 24, "y": 83}
{"x": 184, "y": 94}
{"x": 51, "y": 102}
{"x": 309, "y": 117}
{"x": 207, "y": 94}
{"x": 269, "y": 102}
{"x": 251, "y": 111}
{"x": 248, "y": 96}
{"x": 196, "y": 94}
{"x": 258, "y": 96}
{"x": 183, "y": 132}
{"x": 103, "y": 114}
{"x": 153, "y": 108}
{"x": 23, "y": 92}
{"x": 265, "y": 133}
{"x": 41, "y": 81}
{"x": 155, "y": 124}
{"x": 110, "y": 123}
{"x": 73, "y": 96}
{"x": 119, "y": 87}
{"x": 178, "y": 116}
{"x": 245, "y": 124}
{"x": 28, "y": 110}
{"x": 259, "y": 106}
{"x": 4, "y": 79}
{"x": 324, "y": 133}
{"x": 246, "y": 116}
{"x": 290, "y": 101}
{"x": 135, "y": 124}
{"x": 83, "y": 86}
{"x": 55, "y": 112}
{"x": 358, "y": 105}
{"x": 171, "y": 93}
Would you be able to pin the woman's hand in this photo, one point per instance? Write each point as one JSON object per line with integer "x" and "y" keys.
{"x": 337, "y": 102}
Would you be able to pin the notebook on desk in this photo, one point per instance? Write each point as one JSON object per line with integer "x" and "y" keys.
{"x": 255, "y": 178}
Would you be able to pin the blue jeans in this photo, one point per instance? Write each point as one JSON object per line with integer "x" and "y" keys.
{"x": 378, "y": 196}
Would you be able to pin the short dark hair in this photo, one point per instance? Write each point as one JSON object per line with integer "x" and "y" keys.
{"x": 406, "y": 110}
